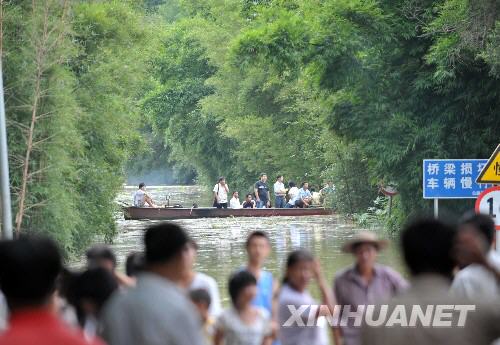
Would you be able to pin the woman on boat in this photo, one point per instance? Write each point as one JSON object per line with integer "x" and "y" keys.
{"x": 293, "y": 191}
{"x": 301, "y": 267}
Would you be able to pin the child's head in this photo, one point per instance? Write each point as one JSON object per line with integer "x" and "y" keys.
{"x": 249, "y": 197}
{"x": 201, "y": 299}
{"x": 299, "y": 269}
{"x": 236, "y": 195}
{"x": 258, "y": 247}
{"x": 242, "y": 288}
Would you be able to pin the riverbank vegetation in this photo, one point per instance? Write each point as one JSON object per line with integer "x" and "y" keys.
{"x": 357, "y": 92}
{"x": 353, "y": 91}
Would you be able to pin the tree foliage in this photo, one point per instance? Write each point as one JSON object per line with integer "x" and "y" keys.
{"x": 358, "y": 92}
{"x": 74, "y": 72}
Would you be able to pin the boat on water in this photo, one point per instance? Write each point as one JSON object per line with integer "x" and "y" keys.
{"x": 170, "y": 213}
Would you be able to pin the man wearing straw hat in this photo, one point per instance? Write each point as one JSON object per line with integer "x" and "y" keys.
{"x": 366, "y": 282}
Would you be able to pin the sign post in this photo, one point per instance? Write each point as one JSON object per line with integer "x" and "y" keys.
{"x": 489, "y": 201}
{"x": 452, "y": 179}
{"x": 4, "y": 169}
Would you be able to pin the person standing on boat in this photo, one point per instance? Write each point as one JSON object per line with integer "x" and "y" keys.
{"x": 249, "y": 202}
{"x": 258, "y": 249}
{"x": 235, "y": 201}
{"x": 279, "y": 192}
{"x": 221, "y": 189}
{"x": 261, "y": 189}
{"x": 141, "y": 198}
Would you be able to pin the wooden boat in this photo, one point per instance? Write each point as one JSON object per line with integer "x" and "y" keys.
{"x": 169, "y": 213}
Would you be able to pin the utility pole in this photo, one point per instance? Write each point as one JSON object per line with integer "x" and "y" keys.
{"x": 4, "y": 168}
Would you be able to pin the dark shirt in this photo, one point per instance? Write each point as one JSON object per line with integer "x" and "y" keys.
{"x": 248, "y": 204}
{"x": 262, "y": 189}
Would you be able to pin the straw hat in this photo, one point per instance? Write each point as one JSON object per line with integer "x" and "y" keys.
{"x": 364, "y": 237}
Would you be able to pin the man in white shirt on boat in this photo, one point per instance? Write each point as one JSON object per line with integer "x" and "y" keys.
{"x": 141, "y": 198}
{"x": 279, "y": 193}
{"x": 221, "y": 189}
{"x": 235, "y": 201}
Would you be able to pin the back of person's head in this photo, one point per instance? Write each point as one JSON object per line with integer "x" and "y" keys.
{"x": 256, "y": 234}
{"x": 29, "y": 267}
{"x": 142, "y": 184}
{"x": 163, "y": 242}
{"x": 238, "y": 282}
{"x": 291, "y": 184}
{"x": 94, "y": 286}
{"x": 134, "y": 264}
{"x": 99, "y": 254}
{"x": 427, "y": 247}
{"x": 482, "y": 223}
{"x": 200, "y": 296}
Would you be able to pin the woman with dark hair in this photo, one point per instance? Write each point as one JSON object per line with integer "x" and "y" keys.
{"x": 293, "y": 191}
{"x": 243, "y": 323}
{"x": 301, "y": 267}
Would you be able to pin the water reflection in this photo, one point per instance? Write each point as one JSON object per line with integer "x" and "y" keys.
{"x": 222, "y": 241}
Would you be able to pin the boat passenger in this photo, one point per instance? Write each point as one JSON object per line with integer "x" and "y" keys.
{"x": 279, "y": 192}
{"x": 292, "y": 193}
{"x": 141, "y": 198}
{"x": 235, "y": 201}
{"x": 316, "y": 197}
{"x": 249, "y": 202}
{"x": 304, "y": 197}
{"x": 220, "y": 193}
{"x": 261, "y": 189}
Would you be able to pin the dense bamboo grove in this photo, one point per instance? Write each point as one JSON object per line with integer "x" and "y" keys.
{"x": 353, "y": 91}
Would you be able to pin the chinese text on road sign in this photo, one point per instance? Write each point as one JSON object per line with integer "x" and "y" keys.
{"x": 452, "y": 178}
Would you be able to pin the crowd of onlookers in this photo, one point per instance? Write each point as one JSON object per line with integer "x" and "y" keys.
{"x": 284, "y": 197}
{"x": 161, "y": 299}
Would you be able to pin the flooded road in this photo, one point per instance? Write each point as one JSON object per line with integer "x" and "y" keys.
{"x": 221, "y": 241}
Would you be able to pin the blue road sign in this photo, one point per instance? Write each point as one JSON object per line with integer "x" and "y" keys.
{"x": 452, "y": 178}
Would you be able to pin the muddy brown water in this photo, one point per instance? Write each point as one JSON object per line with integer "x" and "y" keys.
{"x": 221, "y": 241}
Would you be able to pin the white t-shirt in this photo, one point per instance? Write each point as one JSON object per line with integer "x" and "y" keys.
{"x": 236, "y": 332}
{"x": 292, "y": 193}
{"x": 476, "y": 282}
{"x": 139, "y": 198}
{"x": 279, "y": 188}
{"x": 203, "y": 281}
{"x": 221, "y": 193}
{"x": 234, "y": 203}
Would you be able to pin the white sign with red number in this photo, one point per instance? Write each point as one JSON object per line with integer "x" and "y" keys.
{"x": 488, "y": 202}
